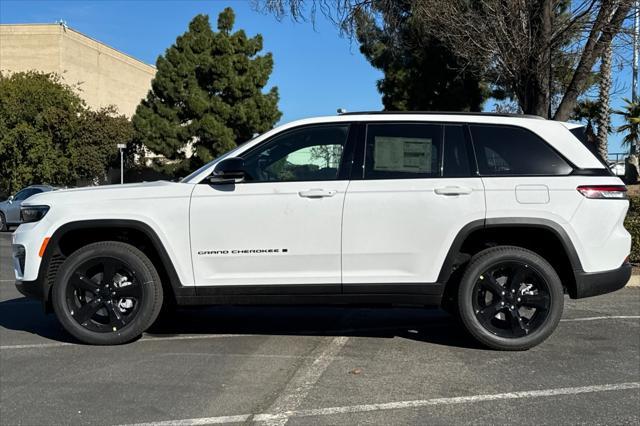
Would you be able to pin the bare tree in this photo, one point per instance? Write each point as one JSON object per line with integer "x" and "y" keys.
{"x": 512, "y": 43}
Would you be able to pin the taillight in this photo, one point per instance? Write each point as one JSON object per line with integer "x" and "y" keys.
{"x": 607, "y": 192}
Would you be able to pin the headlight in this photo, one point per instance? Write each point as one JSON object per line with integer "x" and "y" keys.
{"x": 32, "y": 213}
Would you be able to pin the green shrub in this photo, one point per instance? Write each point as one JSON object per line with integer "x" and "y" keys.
{"x": 632, "y": 223}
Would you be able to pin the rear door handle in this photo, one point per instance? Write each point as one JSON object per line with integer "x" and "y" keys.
{"x": 453, "y": 190}
{"x": 317, "y": 193}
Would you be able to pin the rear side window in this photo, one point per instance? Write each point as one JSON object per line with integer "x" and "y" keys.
{"x": 402, "y": 151}
{"x": 456, "y": 155}
{"x": 509, "y": 151}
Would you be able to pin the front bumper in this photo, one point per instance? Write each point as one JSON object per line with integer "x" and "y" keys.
{"x": 31, "y": 289}
{"x": 594, "y": 283}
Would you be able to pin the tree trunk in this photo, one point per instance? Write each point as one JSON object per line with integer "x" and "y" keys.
{"x": 601, "y": 35}
{"x": 533, "y": 86}
{"x": 603, "y": 102}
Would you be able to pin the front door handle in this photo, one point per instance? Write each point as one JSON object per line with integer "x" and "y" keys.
{"x": 317, "y": 193}
{"x": 453, "y": 190}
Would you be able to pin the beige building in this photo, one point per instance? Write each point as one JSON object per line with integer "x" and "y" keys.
{"x": 102, "y": 75}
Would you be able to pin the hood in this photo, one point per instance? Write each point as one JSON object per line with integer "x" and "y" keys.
{"x": 137, "y": 191}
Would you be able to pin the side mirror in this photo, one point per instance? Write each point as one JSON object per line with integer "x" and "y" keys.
{"x": 10, "y": 199}
{"x": 229, "y": 170}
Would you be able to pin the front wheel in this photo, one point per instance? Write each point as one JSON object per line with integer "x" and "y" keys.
{"x": 107, "y": 293}
{"x": 510, "y": 298}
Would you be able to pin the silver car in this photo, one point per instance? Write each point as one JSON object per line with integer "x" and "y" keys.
{"x": 10, "y": 208}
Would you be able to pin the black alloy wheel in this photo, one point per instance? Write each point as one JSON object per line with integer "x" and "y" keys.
{"x": 107, "y": 293}
{"x": 510, "y": 298}
{"x": 104, "y": 294}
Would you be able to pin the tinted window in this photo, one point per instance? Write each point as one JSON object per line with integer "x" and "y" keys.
{"x": 402, "y": 151}
{"x": 26, "y": 193}
{"x": 456, "y": 156}
{"x": 311, "y": 153}
{"x": 509, "y": 151}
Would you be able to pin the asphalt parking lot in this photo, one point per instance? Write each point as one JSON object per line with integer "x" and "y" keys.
{"x": 319, "y": 366}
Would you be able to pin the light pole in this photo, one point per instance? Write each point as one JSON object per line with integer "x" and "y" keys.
{"x": 634, "y": 82}
{"x": 634, "y": 79}
{"x": 121, "y": 146}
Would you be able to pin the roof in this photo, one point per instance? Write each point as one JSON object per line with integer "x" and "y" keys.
{"x": 493, "y": 114}
{"x": 64, "y": 28}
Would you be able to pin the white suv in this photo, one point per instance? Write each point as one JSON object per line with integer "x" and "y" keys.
{"x": 492, "y": 217}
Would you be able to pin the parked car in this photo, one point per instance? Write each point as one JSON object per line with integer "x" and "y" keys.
{"x": 618, "y": 168}
{"x": 10, "y": 208}
{"x": 493, "y": 217}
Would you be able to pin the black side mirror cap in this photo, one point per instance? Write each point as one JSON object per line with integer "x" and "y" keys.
{"x": 229, "y": 170}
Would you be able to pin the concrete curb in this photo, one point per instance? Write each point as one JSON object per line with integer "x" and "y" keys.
{"x": 634, "y": 281}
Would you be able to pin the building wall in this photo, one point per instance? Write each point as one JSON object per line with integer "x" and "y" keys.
{"x": 102, "y": 75}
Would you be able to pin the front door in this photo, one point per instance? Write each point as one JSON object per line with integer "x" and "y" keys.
{"x": 282, "y": 225}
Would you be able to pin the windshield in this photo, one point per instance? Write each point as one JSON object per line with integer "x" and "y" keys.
{"x": 223, "y": 156}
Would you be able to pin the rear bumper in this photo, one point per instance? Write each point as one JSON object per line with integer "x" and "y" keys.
{"x": 594, "y": 283}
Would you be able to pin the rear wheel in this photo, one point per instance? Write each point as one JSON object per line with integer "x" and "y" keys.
{"x": 107, "y": 293}
{"x": 510, "y": 298}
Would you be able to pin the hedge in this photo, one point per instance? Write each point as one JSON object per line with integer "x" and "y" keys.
{"x": 632, "y": 223}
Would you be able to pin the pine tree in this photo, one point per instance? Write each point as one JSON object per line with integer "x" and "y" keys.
{"x": 419, "y": 72}
{"x": 207, "y": 95}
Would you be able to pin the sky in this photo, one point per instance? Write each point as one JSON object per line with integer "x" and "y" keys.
{"x": 316, "y": 71}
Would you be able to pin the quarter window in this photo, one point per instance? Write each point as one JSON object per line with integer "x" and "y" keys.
{"x": 509, "y": 151}
{"x": 307, "y": 154}
{"x": 402, "y": 151}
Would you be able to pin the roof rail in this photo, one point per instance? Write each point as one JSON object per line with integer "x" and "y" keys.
{"x": 493, "y": 114}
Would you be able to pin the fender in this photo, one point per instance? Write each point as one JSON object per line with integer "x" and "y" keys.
{"x": 547, "y": 224}
{"x": 52, "y": 258}
{"x": 452, "y": 258}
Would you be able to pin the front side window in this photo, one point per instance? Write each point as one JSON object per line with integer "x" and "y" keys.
{"x": 512, "y": 151}
{"x": 402, "y": 151}
{"x": 307, "y": 154}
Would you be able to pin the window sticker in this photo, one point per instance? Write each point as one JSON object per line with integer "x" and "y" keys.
{"x": 399, "y": 154}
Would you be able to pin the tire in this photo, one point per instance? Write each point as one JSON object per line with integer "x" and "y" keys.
{"x": 3, "y": 223}
{"x": 497, "y": 316}
{"x": 94, "y": 288}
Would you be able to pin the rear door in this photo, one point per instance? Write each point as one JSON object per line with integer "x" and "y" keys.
{"x": 417, "y": 189}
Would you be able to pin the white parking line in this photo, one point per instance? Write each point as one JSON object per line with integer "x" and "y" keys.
{"x": 144, "y": 339}
{"x": 301, "y": 383}
{"x": 269, "y": 417}
{"x": 601, "y": 318}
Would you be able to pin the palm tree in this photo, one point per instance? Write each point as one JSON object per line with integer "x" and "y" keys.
{"x": 631, "y": 127}
{"x": 604, "y": 112}
{"x": 587, "y": 111}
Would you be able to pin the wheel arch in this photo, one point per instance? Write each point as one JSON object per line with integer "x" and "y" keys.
{"x": 543, "y": 236}
{"x": 73, "y": 235}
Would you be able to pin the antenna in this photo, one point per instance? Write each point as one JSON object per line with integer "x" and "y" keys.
{"x": 342, "y": 111}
